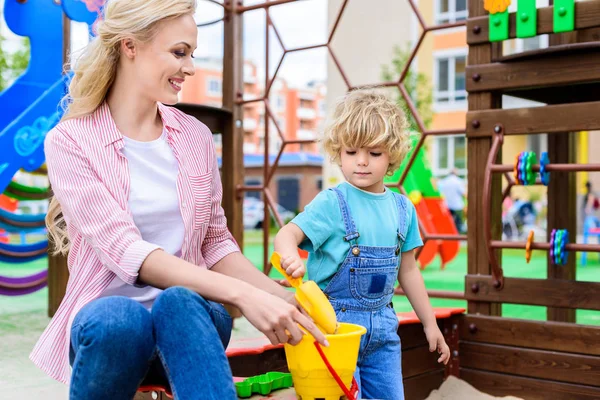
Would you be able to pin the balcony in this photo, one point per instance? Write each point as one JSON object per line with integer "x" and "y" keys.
{"x": 306, "y": 134}
{"x": 306, "y": 113}
{"x": 250, "y": 124}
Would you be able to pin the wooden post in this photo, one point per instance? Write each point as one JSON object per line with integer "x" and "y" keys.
{"x": 477, "y": 153}
{"x": 562, "y": 209}
{"x": 58, "y": 272}
{"x": 562, "y": 197}
{"x": 233, "y": 134}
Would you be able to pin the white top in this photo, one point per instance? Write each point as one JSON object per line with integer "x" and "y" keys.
{"x": 453, "y": 189}
{"x": 154, "y": 205}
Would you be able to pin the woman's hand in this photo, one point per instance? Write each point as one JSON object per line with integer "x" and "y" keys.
{"x": 277, "y": 318}
{"x": 436, "y": 342}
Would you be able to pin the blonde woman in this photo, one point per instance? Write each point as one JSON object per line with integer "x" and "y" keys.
{"x": 362, "y": 237}
{"x": 136, "y": 203}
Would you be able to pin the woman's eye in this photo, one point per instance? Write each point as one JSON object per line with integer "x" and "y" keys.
{"x": 179, "y": 53}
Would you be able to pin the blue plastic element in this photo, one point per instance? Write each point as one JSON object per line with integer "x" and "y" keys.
{"x": 87, "y": 11}
{"x": 30, "y": 105}
{"x": 545, "y": 175}
{"x": 7, "y": 215}
{"x": 24, "y": 248}
{"x": 21, "y": 260}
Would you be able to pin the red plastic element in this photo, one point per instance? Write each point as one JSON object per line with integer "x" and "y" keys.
{"x": 436, "y": 219}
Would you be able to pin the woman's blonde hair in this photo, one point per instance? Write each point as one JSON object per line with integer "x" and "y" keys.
{"x": 368, "y": 118}
{"x": 95, "y": 69}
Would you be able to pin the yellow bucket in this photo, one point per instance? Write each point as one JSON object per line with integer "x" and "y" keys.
{"x": 312, "y": 379}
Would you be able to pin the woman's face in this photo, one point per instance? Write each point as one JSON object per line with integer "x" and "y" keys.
{"x": 163, "y": 64}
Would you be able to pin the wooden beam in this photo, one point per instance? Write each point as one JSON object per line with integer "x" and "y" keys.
{"x": 587, "y": 15}
{"x": 542, "y": 335}
{"x": 546, "y": 119}
{"x": 233, "y": 136}
{"x": 58, "y": 270}
{"x": 553, "y": 69}
{"x": 540, "y": 292}
{"x": 478, "y": 150}
{"x": 562, "y": 206}
{"x": 528, "y": 388}
{"x": 552, "y": 365}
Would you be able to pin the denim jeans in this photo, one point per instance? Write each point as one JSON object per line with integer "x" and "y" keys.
{"x": 117, "y": 344}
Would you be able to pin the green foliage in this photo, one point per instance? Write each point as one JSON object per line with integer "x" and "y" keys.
{"x": 13, "y": 64}
{"x": 417, "y": 85}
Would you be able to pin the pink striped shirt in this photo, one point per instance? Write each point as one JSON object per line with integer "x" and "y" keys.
{"x": 90, "y": 179}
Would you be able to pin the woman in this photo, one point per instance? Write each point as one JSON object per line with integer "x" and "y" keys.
{"x": 137, "y": 203}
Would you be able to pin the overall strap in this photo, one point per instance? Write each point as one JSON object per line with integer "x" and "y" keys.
{"x": 351, "y": 232}
{"x": 401, "y": 202}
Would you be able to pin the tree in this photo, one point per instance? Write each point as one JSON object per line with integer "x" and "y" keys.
{"x": 417, "y": 85}
{"x": 12, "y": 64}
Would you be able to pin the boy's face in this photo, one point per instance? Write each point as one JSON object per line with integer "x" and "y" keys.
{"x": 365, "y": 167}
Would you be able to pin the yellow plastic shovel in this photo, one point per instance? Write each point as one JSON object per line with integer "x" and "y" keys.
{"x": 310, "y": 296}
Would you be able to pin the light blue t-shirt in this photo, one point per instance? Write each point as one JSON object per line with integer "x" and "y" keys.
{"x": 376, "y": 219}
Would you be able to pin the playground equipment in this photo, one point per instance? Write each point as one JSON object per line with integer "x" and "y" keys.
{"x": 486, "y": 352}
{"x": 435, "y": 220}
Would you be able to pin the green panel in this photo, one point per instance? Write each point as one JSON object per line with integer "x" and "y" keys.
{"x": 419, "y": 177}
{"x": 498, "y": 26}
{"x": 564, "y": 15}
{"x": 526, "y": 18}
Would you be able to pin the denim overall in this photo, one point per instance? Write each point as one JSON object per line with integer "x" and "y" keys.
{"x": 361, "y": 293}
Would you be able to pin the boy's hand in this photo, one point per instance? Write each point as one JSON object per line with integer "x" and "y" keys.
{"x": 293, "y": 266}
{"x": 436, "y": 342}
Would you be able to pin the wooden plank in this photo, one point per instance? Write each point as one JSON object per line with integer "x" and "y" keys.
{"x": 418, "y": 361}
{"x": 546, "y": 119}
{"x": 562, "y": 205}
{"x": 419, "y": 387}
{"x": 540, "y": 292}
{"x": 552, "y": 365}
{"x": 587, "y": 15}
{"x": 542, "y": 335}
{"x": 527, "y": 388}
{"x": 555, "y": 69}
{"x": 477, "y": 151}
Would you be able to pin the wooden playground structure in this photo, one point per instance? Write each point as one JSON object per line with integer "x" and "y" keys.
{"x": 554, "y": 359}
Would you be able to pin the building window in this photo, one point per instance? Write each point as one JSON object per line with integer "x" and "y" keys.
{"x": 280, "y": 102}
{"x": 213, "y": 87}
{"x": 450, "y": 80}
{"x": 449, "y": 152}
{"x": 449, "y": 11}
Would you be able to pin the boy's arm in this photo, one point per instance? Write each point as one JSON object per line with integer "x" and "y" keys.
{"x": 288, "y": 239}
{"x": 412, "y": 283}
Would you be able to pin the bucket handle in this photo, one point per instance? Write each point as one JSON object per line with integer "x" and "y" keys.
{"x": 350, "y": 393}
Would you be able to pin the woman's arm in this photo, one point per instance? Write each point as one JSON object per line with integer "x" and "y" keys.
{"x": 270, "y": 314}
{"x": 88, "y": 206}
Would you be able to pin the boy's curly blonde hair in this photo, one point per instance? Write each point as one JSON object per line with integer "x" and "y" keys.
{"x": 367, "y": 118}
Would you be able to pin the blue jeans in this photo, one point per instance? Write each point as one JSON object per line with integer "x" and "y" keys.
{"x": 117, "y": 344}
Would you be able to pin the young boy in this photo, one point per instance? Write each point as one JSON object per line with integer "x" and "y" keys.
{"x": 361, "y": 237}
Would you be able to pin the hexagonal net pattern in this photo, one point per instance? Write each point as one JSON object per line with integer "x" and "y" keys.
{"x": 270, "y": 170}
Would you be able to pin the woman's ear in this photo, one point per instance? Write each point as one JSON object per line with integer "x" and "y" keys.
{"x": 128, "y": 48}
